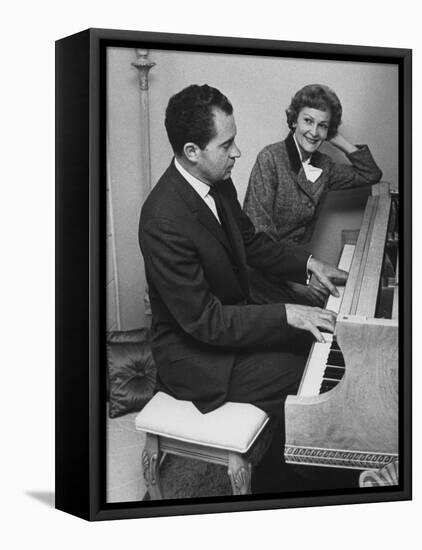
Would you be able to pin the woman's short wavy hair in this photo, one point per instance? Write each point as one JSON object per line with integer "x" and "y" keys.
{"x": 316, "y": 96}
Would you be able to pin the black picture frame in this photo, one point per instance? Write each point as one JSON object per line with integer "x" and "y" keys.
{"x": 80, "y": 264}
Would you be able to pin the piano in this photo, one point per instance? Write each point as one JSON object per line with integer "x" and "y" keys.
{"x": 345, "y": 414}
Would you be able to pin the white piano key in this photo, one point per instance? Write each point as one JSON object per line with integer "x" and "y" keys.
{"x": 317, "y": 361}
{"x": 311, "y": 380}
{"x": 345, "y": 262}
{"x": 333, "y": 303}
{"x": 346, "y": 257}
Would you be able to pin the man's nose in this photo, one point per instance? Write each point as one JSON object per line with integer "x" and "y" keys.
{"x": 235, "y": 152}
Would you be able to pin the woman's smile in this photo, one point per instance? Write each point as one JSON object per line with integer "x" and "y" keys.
{"x": 311, "y": 129}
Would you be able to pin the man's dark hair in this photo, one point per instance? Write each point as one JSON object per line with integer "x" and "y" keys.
{"x": 190, "y": 117}
{"x": 316, "y": 96}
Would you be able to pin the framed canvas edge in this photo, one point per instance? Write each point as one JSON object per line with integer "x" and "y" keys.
{"x": 93, "y": 506}
{"x": 72, "y": 365}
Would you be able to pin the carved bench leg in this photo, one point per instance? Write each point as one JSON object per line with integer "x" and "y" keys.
{"x": 239, "y": 471}
{"x": 150, "y": 466}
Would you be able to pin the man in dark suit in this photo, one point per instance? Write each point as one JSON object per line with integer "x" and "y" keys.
{"x": 210, "y": 343}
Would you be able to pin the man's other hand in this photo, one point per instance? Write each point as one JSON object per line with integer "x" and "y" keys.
{"x": 316, "y": 293}
{"x": 327, "y": 275}
{"x": 311, "y": 319}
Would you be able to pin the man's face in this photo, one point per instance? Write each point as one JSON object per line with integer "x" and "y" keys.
{"x": 216, "y": 160}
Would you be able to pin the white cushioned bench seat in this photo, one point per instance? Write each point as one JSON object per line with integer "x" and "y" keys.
{"x": 233, "y": 426}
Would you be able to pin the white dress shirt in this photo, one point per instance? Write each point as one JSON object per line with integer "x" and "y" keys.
{"x": 312, "y": 172}
{"x": 200, "y": 187}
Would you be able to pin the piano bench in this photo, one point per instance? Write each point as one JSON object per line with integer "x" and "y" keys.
{"x": 229, "y": 435}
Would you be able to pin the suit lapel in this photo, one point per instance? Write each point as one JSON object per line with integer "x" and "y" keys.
{"x": 204, "y": 215}
{"x": 199, "y": 208}
{"x": 293, "y": 154}
{"x": 297, "y": 168}
{"x": 317, "y": 161}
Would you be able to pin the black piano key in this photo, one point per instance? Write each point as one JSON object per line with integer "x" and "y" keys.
{"x": 333, "y": 373}
{"x": 335, "y": 358}
{"x": 327, "y": 385}
{"x": 334, "y": 345}
{"x": 334, "y": 370}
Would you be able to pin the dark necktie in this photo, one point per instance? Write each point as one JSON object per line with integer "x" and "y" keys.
{"x": 228, "y": 225}
{"x": 223, "y": 216}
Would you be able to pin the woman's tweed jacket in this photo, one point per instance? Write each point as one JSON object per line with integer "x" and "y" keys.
{"x": 282, "y": 202}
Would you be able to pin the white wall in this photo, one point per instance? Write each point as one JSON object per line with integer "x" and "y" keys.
{"x": 128, "y": 189}
{"x": 260, "y": 89}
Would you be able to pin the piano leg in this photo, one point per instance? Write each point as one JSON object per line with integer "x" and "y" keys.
{"x": 388, "y": 475}
{"x": 317, "y": 478}
{"x": 273, "y": 475}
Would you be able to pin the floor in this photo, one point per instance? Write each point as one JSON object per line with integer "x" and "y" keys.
{"x": 125, "y": 481}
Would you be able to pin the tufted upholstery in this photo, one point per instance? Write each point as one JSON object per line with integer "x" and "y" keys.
{"x": 131, "y": 371}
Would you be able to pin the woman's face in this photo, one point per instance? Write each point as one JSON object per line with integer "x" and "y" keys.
{"x": 311, "y": 129}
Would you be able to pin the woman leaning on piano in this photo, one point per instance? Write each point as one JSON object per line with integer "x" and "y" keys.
{"x": 290, "y": 178}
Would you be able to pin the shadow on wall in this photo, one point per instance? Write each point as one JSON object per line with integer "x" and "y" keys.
{"x": 341, "y": 210}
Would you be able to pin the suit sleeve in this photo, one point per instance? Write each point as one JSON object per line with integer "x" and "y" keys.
{"x": 363, "y": 170}
{"x": 175, "y": 270}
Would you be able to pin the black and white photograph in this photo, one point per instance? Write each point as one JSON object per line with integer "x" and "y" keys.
{"x": 210, "y": 309}
{"x": 253, "y": 252}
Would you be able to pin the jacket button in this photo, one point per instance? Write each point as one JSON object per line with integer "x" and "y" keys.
{"x": 309, "y": 204}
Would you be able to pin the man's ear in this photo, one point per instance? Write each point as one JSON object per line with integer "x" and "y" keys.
{"x": 191, "y": 151}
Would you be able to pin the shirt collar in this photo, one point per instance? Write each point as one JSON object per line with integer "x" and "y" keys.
{"x": 308, "y": 160}
{"x": 200, "y": 187}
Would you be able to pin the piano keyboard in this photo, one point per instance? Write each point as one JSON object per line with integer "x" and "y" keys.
{"x": 325, "y": 367}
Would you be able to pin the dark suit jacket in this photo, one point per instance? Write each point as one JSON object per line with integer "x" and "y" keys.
{"x": 198, "y": 288}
